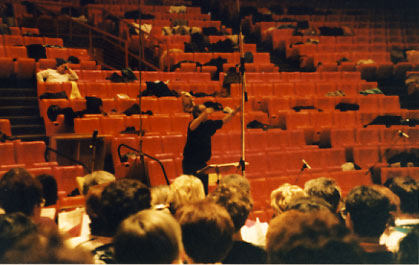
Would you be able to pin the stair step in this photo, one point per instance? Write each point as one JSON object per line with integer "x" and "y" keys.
{"x": 28, "y": 129}
{"x": 20, "y": 120}
{"x": 17, "y": 101}
{"x": 18, "y": 110}
{"x": 19, "y": 92}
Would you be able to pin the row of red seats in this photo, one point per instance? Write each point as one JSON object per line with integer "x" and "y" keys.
{"x": 23, "y": 30}
{"x": 19, "y": 40}
{"x": 21, "y": 52}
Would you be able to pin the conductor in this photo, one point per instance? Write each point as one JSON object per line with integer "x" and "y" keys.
{"x": 197, "y": 150}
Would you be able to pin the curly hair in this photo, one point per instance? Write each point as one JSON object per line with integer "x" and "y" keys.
{"x": 283, "y": 195}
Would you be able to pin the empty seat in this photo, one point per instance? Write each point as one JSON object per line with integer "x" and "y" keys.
{"x": 28, "y": 40}
{"x": 112, "y": 124}
{"x": 368, "y": 136}
{"x": 156, "y": 174}
{"x": 86, "y": 125}
{"x": 366, "y": 156}
{"x": 13, "y": 40}
{"x": 7, "y": 154}
{"x": 173, "y": 144}
{"x": 66, "y": 177}
{"x": 160, "y": 123}
{"x": 131, "y": 141}
{"x": 6, "y": 67}
{"x": 16, "y": 51}
{"x": 32, "y": 154}
{"x": 152, "y": 145}
{"x": 25, "y": 68}
{"x": 342, "y": 137}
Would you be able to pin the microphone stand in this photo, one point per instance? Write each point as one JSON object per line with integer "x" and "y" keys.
{"x": 49, "y": 149}
{"x": 93, "y": 147}
{"x": 242, "y": 70}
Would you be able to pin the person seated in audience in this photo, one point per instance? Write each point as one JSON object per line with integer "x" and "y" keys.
{"x": 149, "y": 237}
{"x": 186, "y": 189}
{"x": 21, "y": 192}
{"x": 13, "y": 227}
{"x": 367, "y": 214}
{"x": 162, "y": 198}
{"x": 107, "y": 209}
{"x": 236, "y": 179}
{"x": 96, "y": 178}
{"x": 283, "y": 195}
{"x": 408, "y": 250}
{"x": 207, "y": 231}
{"x": 63, "y": 73}
{"x": 325, "y": 188}
{"x": 45, "y": 247}
{"x": 238, "y": 204}
{"x": 407, "y": 218}
{"x": 311, "y": 238}
{"x": 309, "y": 204}
{"x": 49, "y": 189}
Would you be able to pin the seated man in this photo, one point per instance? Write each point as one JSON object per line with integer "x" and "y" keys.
{"x": 207, "y": 231}
{"x": 325, "y": 188}
{"x": 367, "y": 213}
{"x": 63, "y": 73}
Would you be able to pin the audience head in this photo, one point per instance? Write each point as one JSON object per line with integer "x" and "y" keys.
{"x": 61, "y": 66}
{"x": 93, "y": 206}
{"x": 408, "y": 249}
{"x": 13, "y": 227}
{"x": 367, "y": 211}
{"x": 283, "y": 195}
{"x": 47, "y": 247}
{"x": 312, "y": 237}
{"x": 309, "y": 204}
{"x": 207, "y": 231}
{"x": 236, "y": 201}
{"x": 120, "y": 199}
{"x": 142, "y": 237}
{"x": 407, "y": 190}
{"x": 161, "y": 197}
{"x": 325, "y": 188}
{"x": 49, "y": 188}
{"x": 393, "y": 198}
{"x": 20, "y": 192}
{"x": 96, "y": 178}
{"x": 236, "y": 179}
{"x": 187, "y": 189}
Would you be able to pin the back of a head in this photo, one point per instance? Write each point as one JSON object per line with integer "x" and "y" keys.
{"x": 284, "y": 195}
{"x": 93, "y": 208}
{"x": 96, "y": 178}
{"x": 19, "y": 191}
{"x": 236, "y": 179}
{"x": 393, "y": 198}
{"x": 369, "y": 211}
{"x": 49, "y": 188}
{"x": 309, "y": 204}
{"x": 311, "y": 238}
{"x": 236, "y": 201}
{"x": 120, "y": 199}
{"x": 13, "y": 227}
{"x": 161, "y": 196}
{"x": 207, "y": 231}
{"x": 142, "y": 237}
{"x": 408, "y": 251}
{"x": 187, "y": 189}
{"x": 407, "y": 189}
{"x": 325, "y": 188}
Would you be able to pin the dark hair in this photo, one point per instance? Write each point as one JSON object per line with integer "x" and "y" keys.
{"x": 120, "y": 199}
{"x": 49, "y": 189}
{"x": 325, "y": 188}
{"x": 236, "y": 201}
{"x": 13, "y": 227}
{"x": 142, "y": 237}
{"x": 196, "y": 111}
{"x": 207, "y": 231}
{"x": 310, "y": 238}
{"x": 19, "y": 191}
{"x": 369, "y": 211}
{"x": 407, "y": 189}
{"x": 309, "y": 204}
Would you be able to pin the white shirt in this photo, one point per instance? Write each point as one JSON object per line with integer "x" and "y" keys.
{"x": 51, "y": 75}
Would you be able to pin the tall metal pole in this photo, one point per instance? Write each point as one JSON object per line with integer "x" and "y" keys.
{"x": 244, "y": 92}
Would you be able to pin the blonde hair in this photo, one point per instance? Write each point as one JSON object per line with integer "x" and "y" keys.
{"x": 187, "y": 189}
{"x": 283, "y": 195}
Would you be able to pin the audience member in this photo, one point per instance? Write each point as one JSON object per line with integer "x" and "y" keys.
{"x": 96, "y": 178}
{"x": 409, "y": 246}
{"x": 186, "y": 189}
{"x": 207, "y": 231}
{"x": 325, "y": 188}
{"x": 238, "y": 204}
{"x": 63, "y": 73}
{"x": 367, "y": 213}
{"x": 407, "y": 218}
{"x": 20, "y": 192}
{"x": 148, "y": 237}
{"x": 49, "y": 189}
{"x": 14, "y": 227}
{"x": 284, "y": 195}
{"x": 236, "y": 179}
{"x": 311, "y": 238}
{"x": 309, "y": 204}
{"x": 162, "y": 198}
